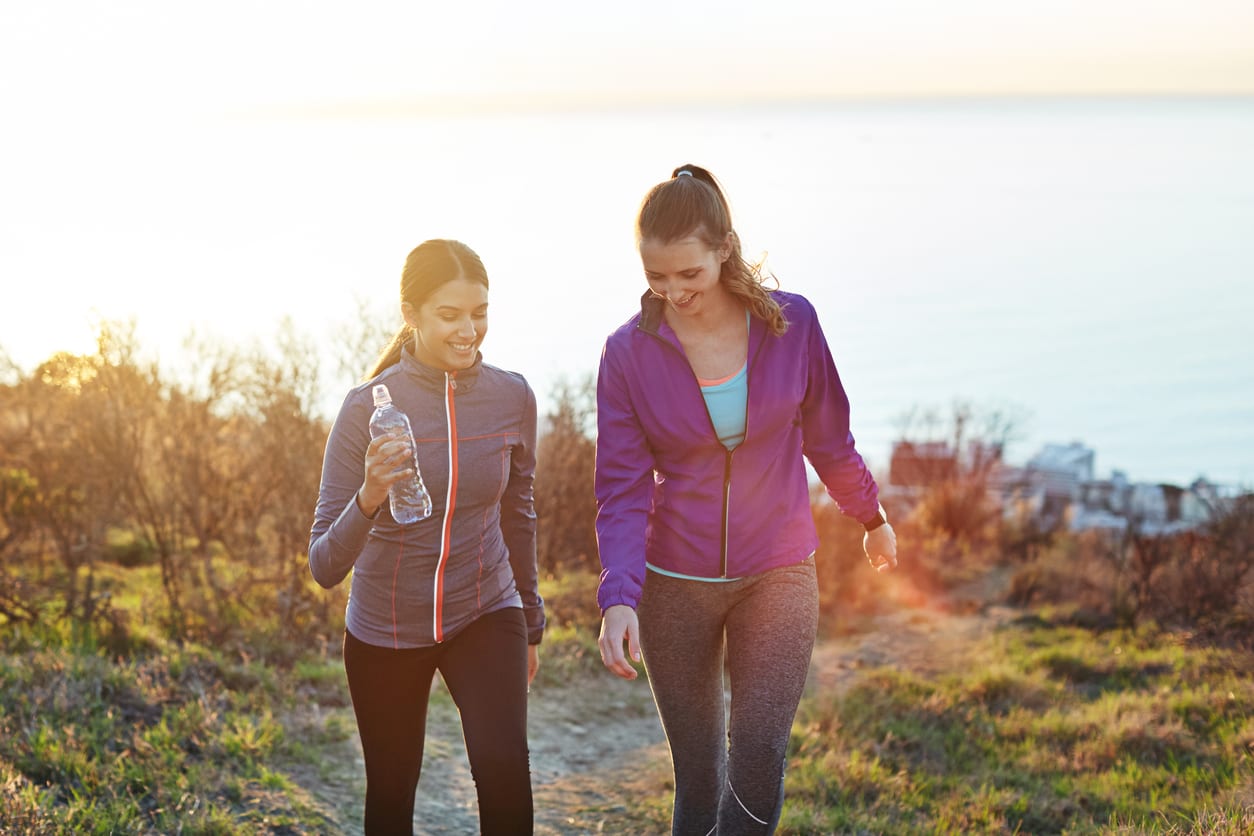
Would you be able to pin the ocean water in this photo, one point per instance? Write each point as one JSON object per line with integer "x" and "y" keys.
{"x": 1087, "y": 265}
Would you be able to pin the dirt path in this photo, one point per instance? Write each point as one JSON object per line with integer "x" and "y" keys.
{"x": 584, "y": 739}
{"x": 924, "y": 640}
{"x": 598, "y": 744}
{"x": 589, "y": 744}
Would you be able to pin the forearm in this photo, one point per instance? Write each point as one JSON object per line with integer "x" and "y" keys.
{"x": 849, "y": 483}
{"x": 333, "y": 551}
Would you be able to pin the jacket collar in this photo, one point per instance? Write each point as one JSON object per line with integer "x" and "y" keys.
{"x": 433, "y": 378}
{"x": 651, "y": 310}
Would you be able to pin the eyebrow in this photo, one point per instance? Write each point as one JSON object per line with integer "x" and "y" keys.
{"x": 694, "y": 268}
{"x": 455, "y": 309}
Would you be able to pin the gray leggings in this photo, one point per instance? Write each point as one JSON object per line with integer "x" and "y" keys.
{"x": 729, "y": 777}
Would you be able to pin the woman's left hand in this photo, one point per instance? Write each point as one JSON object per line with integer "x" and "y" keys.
{"x": 881, "y": 548}
{"x": 533, "y": 663}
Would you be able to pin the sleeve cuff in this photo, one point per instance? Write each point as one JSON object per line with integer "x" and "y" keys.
{"x": 876, "y": 521}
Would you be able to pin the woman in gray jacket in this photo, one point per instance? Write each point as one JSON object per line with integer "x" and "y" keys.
{"x": 454, "y": 592}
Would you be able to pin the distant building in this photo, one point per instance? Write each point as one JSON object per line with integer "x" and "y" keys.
{"x": 1055, "y": 488}
{"x": 1050, "y": 483}
{"x": 1059, "y": 470}
{"x": 921, "y": 464}
{"x": 1148, "y": 508}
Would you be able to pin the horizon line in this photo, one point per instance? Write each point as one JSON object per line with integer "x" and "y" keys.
{"x": 564, "y": 103}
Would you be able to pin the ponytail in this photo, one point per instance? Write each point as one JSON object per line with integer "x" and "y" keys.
{"x": 391, "y": 354}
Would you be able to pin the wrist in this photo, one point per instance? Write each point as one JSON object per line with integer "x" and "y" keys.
{"x": 366, "y": 508}
{"x": 875, "y": 522}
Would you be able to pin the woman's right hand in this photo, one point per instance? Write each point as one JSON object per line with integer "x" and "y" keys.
{"x": 387, "y": 462}
{"x": 619, "y": 624}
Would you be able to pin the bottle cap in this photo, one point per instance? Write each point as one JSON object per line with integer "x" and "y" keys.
{"x": 382, "y": 397}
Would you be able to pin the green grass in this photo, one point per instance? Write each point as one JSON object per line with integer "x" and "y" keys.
{"x": 181, "y": 740}
{"x": 155, "y": 736}
{"x": 569, "y": 651}
{"x": 1048, "y": 730}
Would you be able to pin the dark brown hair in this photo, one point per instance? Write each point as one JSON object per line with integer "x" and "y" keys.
{"x": 694, "y": 205}
{"x": 430, "y": 266}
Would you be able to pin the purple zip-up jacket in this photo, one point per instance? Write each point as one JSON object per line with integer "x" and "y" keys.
{"x": 669, "y": 493}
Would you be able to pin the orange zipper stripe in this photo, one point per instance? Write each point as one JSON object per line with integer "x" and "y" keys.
{"x": 446, "y": 536}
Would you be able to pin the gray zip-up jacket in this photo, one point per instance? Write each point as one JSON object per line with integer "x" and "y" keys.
{"x": 417, "y": 585}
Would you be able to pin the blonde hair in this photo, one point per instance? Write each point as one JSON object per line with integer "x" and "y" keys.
{"x": 429, "y": 266}
{"x": 691, "y": 203}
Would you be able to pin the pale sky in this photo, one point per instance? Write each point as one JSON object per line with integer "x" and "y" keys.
{"x": 219, "y": 165}
{"x": 106, "y": 106}
{"x": 122, "y": 57}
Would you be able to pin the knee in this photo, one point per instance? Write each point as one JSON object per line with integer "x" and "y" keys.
{"x": 500, "y": 762}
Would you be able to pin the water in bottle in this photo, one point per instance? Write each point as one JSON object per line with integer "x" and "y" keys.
{"x": 408, "y": 498}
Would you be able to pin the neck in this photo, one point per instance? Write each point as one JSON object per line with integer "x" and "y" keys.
{"x": 725, "y": 308}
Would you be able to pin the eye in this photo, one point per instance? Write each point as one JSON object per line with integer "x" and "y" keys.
{"x": 691, "y": 274}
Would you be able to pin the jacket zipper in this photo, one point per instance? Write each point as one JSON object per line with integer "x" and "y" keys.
{"x": 446, "y": 530}
{"x": 727, "y": 465}
{"x": 727, "y": 454}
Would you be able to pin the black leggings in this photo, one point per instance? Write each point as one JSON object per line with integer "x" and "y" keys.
{"x": 485, "y": 668}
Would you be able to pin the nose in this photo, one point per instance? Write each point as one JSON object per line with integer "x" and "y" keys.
{"x": 466, "y": 328}
{"x": 669, "y": 289}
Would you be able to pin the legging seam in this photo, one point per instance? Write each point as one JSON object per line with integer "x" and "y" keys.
{"x": 742, "y": 804}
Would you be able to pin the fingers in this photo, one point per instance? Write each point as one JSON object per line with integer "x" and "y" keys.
{"x": 881, "y": 548}
{"x": 388, "y": 459}
{"x": 613, "y": 659}
{"x": 619, "y": 625}
{"x": 633, "y": 642}
{"x": 533, "y": 663}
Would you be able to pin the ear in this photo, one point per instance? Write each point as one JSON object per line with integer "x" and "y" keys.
{"x": 725, "y": 249}
{"x": 410, "y": 313}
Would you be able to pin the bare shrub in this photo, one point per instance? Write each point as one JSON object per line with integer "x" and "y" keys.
{"x": 950, "y": 489}
{"x": 564, "y": 493}
{"x": 1194, "y": 580}
{"x": 960, "y": 509}
{"x": 1208, "y": 580}
{"x": 844, "y": 575}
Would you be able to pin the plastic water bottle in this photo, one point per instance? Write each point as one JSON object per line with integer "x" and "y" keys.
{"x": 408, "y": 498}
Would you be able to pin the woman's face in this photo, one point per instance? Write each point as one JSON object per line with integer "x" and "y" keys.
{"x": 450, "y": 325}
{"x": 683, "y": 272}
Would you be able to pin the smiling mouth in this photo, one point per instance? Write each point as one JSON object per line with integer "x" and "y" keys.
{"x": 461, "y": 346}
{"x": 684, "y": 301}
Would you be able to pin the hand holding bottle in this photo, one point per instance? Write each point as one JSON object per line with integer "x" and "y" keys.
{"x": 394, "y": 464}
{"x": 387, "y": 462}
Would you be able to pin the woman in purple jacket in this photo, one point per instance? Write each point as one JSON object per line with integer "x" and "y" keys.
{"x": 707, "y": 401}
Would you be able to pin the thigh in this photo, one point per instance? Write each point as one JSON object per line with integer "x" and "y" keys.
{"x": 389, "y": 690}
{"x": 681, "y": 637}
{"x": 770, "y": 638}
{"x": 485, "y": 669}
